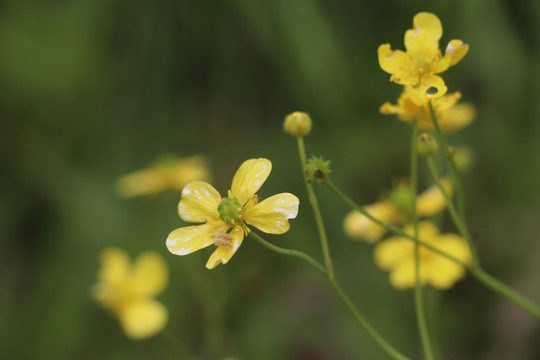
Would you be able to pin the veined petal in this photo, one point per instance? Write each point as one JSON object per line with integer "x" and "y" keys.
{"x": 199, "y": 202}
{"x": 143, "y": 318}
{"x": 392, "y": 251}
{"x": 456, "y": 50}
{"x": 398, "y": 64}
{"x": 150, "y": 274}
{"x": 423, "y": 39}
{"x": 431, "y": 86}
{"x": 358, "y": 226}
{"x": 223, "y": 254}
{"x": 189, "y": 239}
{"x": 249, "y": 178}
{"x": 432, "y": 200}
{"x": 271, "y": 215}
{"x": 115, "y": 266}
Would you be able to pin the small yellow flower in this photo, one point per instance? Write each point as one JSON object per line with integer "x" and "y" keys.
{"x": 396, "y": 254}
{"x": 128, "y": 290}
{"x": 395, "y": 210}
{"x": 451, "y": 116}
{"x": 167, "y": 174}
{"x": 421, "y": 62}
{"x": 225, "y": 220}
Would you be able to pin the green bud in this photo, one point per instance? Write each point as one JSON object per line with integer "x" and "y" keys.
{"x": 230, "y": 210}
{"x": 297, "y": 124}
{"x": 317, "y": 170}
{"x": 426, "y": 145}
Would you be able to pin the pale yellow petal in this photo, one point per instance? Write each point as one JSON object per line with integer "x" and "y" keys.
{"x": 142, "y": 319}
{"x": 432, "y": 201}
{"x": 272, "y": 215}
{"x": 358, "y": 226}
{"x": 199, "y": 202}
{"x": 150, "y": 274}
{"x": 442, "y": 273}
{"x": 249, "y": 178}
{"x": 427, "y": 230}
{"x": 454, "y": 245}
{"x": 445, "y": 102}
{"x": 403, "y": 275}
{"x": 223, "y": 254}
{"x": 189, "y": 239}
{"x": 115, "y": 266}
{"x": 391, "y": 251}
{"x": 456, "y": 117}
{"x": 423, "y": 39}
{"x": 398, "y": 64}
{"x": 141, "y": 182}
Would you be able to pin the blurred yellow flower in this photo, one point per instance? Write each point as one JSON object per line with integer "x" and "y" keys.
{"x": 128, "y": 289}
{"x": 396, "y": 254}
{"x": 225, "y": 219}
{"x": 451, "y": 116}
{"x": 395, "y": 210}
{"x": 421, "y": 62}
{"x": 167, "y": 174}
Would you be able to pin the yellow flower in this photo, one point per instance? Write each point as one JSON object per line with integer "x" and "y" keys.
{"x": 396, "y": 254}
{"x": 128, "y": 290}
{"x": 395, "y": 210}
{"x": 166, "y": 174}
{"x": 225, "y": 219}
{"x": 450, "y": 115}
{"x": 421, "y": 62}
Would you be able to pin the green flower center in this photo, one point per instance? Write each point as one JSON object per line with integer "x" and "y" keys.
{"x": 401, "y": 198}
{"x": 230, "y": 210}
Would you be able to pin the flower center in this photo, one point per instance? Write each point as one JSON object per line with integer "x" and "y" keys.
{"x": 401, "y": 198}
{"x": 230, "y": 210}
{"x": 421, "y": 65}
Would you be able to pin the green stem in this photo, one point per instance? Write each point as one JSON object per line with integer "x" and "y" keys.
{"x": 477, "y": 272}
{"x": 419, "y": 302}
{"x": 460, "y": 195}
{"x": 458, "y": 221}
{"x": 389, "y": 349}
{"x": 316, "y": 210}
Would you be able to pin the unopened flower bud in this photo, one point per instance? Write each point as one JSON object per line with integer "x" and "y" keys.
{"x": 317, "y": 170}
{"x": 426, "y": 145}
{"x": 297, "y": 124}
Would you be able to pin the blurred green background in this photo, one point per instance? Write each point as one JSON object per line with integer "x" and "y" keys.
{"x": 93, "y": 89}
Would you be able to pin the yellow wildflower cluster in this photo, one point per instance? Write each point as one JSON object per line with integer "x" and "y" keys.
{"x": 128, "y": 290}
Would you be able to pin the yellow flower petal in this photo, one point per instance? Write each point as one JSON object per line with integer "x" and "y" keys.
{"x": 115, "y": 266}
{"x": 432, "y": 201}
{"x": 398, "y": 64}
{"x": 403, "y": 274}
{"x": 249, "y": 178}
{"x": 142, "y": 319}
{"x": 223, "y": 254}
{"x": 271, "y": 215}
{"x": 358, "y": 226}
{"x": 456, "y": 50}
{"x": 189, "y": 239}
{"x": 141, "y": 182}
{"x": 391, "y": 251}
{"x": 199, "y": 202}
{"x": 150, "y": 274}
{"x": 431, "y": 87}
{"x": 457, "y": 117}
{"x": 423, "y": 40}
{"x": 443, "y": 273}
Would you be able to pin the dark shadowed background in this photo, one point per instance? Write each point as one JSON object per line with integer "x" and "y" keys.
{"x": 93, "y": 89}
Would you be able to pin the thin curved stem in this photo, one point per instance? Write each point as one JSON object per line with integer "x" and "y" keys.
{"x": 418, "y": 300}
{"x": 316, "y": 210}
{"x": 383, "y": 344}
